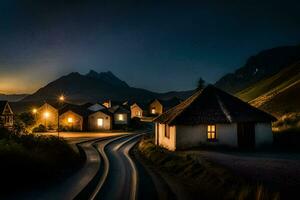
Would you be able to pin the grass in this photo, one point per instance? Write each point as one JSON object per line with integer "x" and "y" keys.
{"x": 278, "y": 94}
{"x": 210, "y": 180}
{"x": 276, "y": 82}
{"x": 30, "y": 160}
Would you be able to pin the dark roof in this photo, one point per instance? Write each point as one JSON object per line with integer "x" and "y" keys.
{"x": 119, "y": 109}
{"x": 169, "y": 103}
{"x": 143, "y": 106}
{"x": 78, "y": 109}
{"x": 104, "y": 110}
{"x": 212, "y": 105}
{"x": 2, "y": 106}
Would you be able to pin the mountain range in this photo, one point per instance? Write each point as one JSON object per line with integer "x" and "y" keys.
{"x": 258, "y": 67}
{"x": 268, "y": 80}
{"x": 94, "y": 87}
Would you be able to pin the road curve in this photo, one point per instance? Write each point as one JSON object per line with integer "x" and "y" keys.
{"x": 121, "y": 180}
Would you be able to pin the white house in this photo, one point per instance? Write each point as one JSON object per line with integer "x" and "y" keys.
{"x": 213, "y": 117}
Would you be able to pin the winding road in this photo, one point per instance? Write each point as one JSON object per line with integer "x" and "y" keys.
{"x": 108, "y": 173}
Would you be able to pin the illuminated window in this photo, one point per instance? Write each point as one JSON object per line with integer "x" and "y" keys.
{"x": 121, "y": 117}
{"x": 70, "y": 119}
{"x": 46, "y": 114}
{"x": 138, "y": 113}
{"x": 153, "y": 110}
{"x": 100, "y": 122}
{"x": 167, "y": 131}
{"x": 211, "y": 132}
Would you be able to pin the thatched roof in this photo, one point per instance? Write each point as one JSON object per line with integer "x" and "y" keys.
{"x": 118, "y": 109}
{"x": 212, "y": 105}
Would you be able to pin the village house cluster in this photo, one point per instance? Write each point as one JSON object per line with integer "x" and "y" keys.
{"x": 107, "y": 115}
{"x": 210, "y": 117}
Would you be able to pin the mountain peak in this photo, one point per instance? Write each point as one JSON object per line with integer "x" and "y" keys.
{"x": 92, "y": 73}
{"x": 107, "y": 77}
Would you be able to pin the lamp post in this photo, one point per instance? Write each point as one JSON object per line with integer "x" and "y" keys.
{"x": 34, "y": 111}
{"x": 61, "y": 99}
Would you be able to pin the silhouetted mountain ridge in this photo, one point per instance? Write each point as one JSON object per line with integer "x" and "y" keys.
{"x": 263, "y": 65}
{"x": 95, "y": 87}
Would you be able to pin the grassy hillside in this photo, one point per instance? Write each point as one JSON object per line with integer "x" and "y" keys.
{"x": 276, "y": 82}
{"x": 278, "y": 94}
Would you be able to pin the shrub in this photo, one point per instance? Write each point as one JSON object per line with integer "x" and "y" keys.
{"x": 40, "y": 128}
{"x": 33, "y": 159}
{"x": 288, "y": 121}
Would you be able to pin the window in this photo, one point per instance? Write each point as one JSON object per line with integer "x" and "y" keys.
{"x": 121, "y": 117}
{"x": 138, "y": 113}
{"x": 153, "y": 110}
{"x": 100, "y": 122}
{"x": 211, "y": 132}
{"x": 167, "y": 131}
{"x": 70, "y": 119}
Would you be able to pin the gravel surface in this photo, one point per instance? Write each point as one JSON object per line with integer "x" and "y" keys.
{"x": 280, "y": 172}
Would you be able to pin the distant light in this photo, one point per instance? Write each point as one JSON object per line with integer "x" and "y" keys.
{"x": 70, "y": 119}
{"x": 100, "y": 121}
{"x": 46, "y": 114}
{"x": 34, "y": 111}
{"x": 62, "y": 98}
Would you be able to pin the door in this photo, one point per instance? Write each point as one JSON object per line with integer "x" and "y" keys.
{"x": 246, "y": 135}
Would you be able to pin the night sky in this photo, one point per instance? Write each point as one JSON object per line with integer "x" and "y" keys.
{"x": 158, "y": 45}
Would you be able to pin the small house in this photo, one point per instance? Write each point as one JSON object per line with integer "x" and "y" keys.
{"x": 138, "y": 110}
{"x": 121, "y": 116}
{"x": 100, "y": 120}
{"x": 6, "y": 115}
{"x": 213, "y": 117}
{"x": 158, "y": 106}
{"x": 73, "y": 117}
{"x": 47, "y": 115}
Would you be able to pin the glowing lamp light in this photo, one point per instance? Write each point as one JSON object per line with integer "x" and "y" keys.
{"x": 70, "y": 119}
{"x": 34, "y": 111}
{"x": 62, "y": 98}
{"x": 46, "y": 114}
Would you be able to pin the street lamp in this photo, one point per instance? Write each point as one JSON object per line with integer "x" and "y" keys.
{"x": 61, "y": 99}
{"x": 34, "y": 112}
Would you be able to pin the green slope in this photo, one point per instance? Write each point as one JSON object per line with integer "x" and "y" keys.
{"x": 287, "y": 101}
{"x": 277, "y": 82}
{"x": 279, "y": 94}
